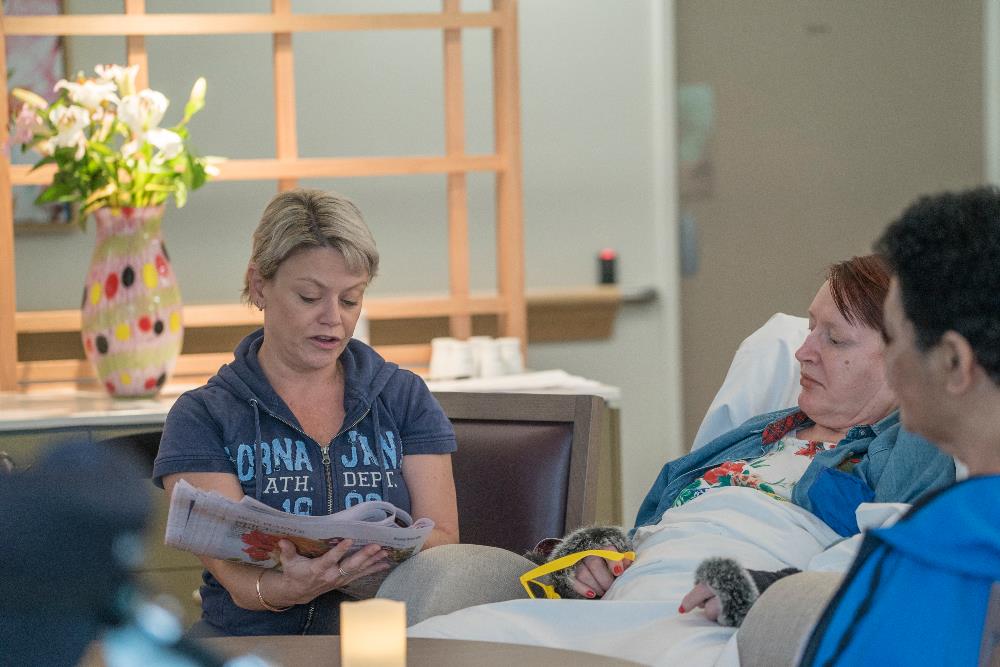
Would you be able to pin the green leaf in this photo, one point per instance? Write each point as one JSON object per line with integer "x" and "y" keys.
{"x": 98, "y": 147}
{"x": 196, "y": 169}
{"x": 48, "y": 159}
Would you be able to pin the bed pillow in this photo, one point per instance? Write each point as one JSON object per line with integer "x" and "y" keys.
{"x": 763, "y": 377}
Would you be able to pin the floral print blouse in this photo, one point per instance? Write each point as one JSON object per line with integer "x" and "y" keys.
{"x": 775, "y": 473}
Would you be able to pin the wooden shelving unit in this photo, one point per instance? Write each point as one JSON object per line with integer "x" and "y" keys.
{"x": 506, "y": 305}
{"x": 49, "y": 342}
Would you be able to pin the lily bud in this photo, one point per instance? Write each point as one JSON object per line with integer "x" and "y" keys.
{"x": 30, "y": 98}
{"x": 196, "y": 101}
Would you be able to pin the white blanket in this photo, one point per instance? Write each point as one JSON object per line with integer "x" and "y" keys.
{"x": 638, "y": 619}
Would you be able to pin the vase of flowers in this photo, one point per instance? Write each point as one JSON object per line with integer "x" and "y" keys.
{"x": 114, "y": 162}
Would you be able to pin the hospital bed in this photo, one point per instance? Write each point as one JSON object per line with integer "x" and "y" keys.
{"x": 638, "y": 620}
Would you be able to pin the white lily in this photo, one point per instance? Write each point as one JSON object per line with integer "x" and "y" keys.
{"x": 166, "y": 141}
{"x": 44, "y": 147}
{"x": 212, "y": 163}
{"x": 90, "y": 94}
{"x": 143, "y": 111}
{"x": 27, "y": 124}
{"x": 122, "y": 155}
{"x": 122, "y": 77}
{"x": 70, "y": 123}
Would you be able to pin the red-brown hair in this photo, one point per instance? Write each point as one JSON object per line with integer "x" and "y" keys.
{"x": 859, "y": 286}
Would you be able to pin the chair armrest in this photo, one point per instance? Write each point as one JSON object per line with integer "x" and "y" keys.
{"x": 780, "y": 621}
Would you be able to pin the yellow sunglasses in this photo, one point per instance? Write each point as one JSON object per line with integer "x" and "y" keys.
{"x": 531, "y": 576}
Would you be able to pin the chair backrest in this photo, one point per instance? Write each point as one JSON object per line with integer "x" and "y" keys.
{"x": 526, "y": 465}
{"x": 143, "y": 446}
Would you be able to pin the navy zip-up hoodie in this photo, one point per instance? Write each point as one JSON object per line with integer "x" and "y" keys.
{"x": 238, "y": 424}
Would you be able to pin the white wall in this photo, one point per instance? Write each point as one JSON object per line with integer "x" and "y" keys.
{"x": 597, "y": 82}
{"x": 991, "y": 91}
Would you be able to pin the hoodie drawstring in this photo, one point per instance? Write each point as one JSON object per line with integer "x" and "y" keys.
{"x": 381, "y": 452}
{"x": 257, "y": 458}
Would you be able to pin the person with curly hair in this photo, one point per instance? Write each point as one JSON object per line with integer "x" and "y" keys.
{"x": 932, "y": 572}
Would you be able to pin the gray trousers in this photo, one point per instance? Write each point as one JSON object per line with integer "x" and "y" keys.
{"x": 455, "y": 576}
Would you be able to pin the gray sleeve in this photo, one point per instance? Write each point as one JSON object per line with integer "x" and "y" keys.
{"x": 736, "y": 587}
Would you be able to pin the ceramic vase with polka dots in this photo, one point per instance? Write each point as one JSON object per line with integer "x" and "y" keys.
{"x": 131, "y": 326}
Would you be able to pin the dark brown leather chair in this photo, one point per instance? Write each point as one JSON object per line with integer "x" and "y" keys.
{"x": 143, "y": 446}
{"x": 526, "y": 465}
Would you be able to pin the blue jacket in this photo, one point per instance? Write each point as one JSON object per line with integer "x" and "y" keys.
{"x": 917, "y": 593}
{"x": 238, "y": 424}
{"x": 894, "y": 466}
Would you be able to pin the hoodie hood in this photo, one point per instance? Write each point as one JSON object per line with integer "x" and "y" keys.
{"x": 365, "y": 376}
{"x": 955, "y": 530}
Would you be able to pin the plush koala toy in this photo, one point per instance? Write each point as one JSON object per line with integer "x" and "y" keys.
{"x": 582, "y": 539}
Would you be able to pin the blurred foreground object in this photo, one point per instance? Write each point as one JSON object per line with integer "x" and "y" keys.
{"x": 72, "y": 528}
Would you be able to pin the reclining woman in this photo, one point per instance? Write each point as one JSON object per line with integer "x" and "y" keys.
{"x": 841, "y": 446}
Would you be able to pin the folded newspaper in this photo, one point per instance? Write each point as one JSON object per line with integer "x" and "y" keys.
{"x": 209, "y": 524}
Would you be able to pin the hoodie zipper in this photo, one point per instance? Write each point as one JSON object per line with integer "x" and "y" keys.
{"x": 328, "y": 474}
{"x": 327, "y": 468}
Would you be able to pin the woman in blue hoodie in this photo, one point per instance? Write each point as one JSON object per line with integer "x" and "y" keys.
{"x": 308, "y": 420}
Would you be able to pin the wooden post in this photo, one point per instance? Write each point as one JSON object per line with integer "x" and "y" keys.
{"x": 285, "y": 140}
{"x": 458, "y": 203}
{"x": 507, "y": 123}
{"x": 135, "y": 45}
{"x": 8, "y": 293}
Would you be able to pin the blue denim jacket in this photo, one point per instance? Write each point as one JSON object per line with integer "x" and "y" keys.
{"x": 894, "y": 466}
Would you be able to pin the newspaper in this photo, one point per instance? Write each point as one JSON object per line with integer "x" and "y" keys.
{"x": 209, "y": 524}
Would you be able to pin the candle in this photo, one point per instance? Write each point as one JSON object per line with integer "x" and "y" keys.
{"x": 373, "y": 633}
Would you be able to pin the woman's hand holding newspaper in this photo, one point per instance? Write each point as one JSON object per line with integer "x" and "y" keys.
{"x": 304, "y": 579}
{"x": 351, "y": 550}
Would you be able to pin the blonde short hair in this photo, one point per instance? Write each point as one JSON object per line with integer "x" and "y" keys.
{"x": 307, "y": 218}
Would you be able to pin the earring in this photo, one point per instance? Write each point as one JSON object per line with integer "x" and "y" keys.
{"x": 260, "y": 305}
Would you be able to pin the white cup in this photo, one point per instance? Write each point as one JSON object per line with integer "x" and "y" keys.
{"x": 480, "y": 346}
{"x": 450, "y": 359}
{"x": 510, "y": 355}
{"x": 490, "y": 363}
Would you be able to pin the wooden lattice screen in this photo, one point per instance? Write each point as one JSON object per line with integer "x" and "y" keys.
{"x": 458, "y": 305}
